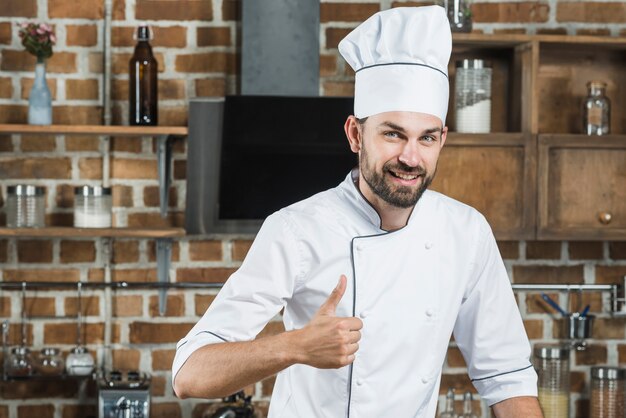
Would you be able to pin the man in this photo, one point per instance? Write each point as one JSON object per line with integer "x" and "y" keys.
{"x": 408, "y": 266}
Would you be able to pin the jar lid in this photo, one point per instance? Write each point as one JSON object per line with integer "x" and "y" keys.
{"x": 596, "y": 84}
{"x": 79, "y": 349}
{"x": 608, "y": 373}
{"x": 551, "y": 352}
{"x": 26, "y": 190}
{"x": 49, "y": 351}
{"x": 20, "y": 351}
{"x": 92, "y": 191}
{"x": 473, "y": 63}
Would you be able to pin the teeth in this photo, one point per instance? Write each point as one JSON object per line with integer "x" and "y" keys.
{"x": 406, "y": 176}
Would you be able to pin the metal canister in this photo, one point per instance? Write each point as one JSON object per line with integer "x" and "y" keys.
{"x": 608, "y": 390}
{"x": 552, "y": 365}
{"x": 26, "y": 206}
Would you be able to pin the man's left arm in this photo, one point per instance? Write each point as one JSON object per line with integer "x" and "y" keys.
{"x": 520, "y": 407}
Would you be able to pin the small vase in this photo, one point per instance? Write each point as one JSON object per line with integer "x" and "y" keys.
{"x": 40, "y": 99}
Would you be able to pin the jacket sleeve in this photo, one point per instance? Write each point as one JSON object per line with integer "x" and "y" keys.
{"x": 489, "y": 330}
{"x": 252, "y": 295}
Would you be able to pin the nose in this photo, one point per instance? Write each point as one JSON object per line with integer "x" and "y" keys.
{"x": 410, "y": 154}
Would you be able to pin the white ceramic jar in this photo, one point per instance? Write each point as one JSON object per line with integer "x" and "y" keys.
{"x": 92, "y": 207}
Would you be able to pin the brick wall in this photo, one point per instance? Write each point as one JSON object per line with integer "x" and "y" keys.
{"x": 196, "y": 46}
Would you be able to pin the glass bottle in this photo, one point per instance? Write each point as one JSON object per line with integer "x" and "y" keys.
{"x": 552, "y": 365}
{"x": 467, "y": 406}
{"x": 142, "y": 92}
{"x": 596, "y": 109}
{"x": 50, "y": 362}
{"x": 39, "y": 98}
{"x": 449, "y": 410}
{"x": 608, "y": 392}
{"x": 459, "y": 15}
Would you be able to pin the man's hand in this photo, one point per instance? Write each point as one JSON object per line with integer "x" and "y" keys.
{"x": 328, "y": 341}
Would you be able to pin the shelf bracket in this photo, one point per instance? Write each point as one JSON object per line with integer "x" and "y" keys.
{"x": 164, "y": 257}
{"x": 164, "y": 157}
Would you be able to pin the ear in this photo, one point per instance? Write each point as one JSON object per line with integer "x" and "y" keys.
{"x": 351, "y": 128}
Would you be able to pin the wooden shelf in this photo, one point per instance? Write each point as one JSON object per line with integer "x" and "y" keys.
{"x": 93, "y": 130}
{"x": 503, "y": 40}
{"x": 69, "y": 232}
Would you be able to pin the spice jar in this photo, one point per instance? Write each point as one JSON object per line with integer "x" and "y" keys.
{"x": 459, "y": 15}
{"x": 608, "y": 386}
{"x": 92, "y": 207}
{"x": 25, "y": 206}
{"x": 50, "y": 362}
{"x": 20, "y": 362}
{"x": 552, "y": 365}
{"x": 473, "y": 96}
{"x": 79, "y": 362}
{"x": 596, "y": 110}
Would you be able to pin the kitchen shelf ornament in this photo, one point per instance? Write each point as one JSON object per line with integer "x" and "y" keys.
{"x": 38, "y": 39}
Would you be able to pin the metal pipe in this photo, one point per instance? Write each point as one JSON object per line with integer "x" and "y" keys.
{"x": 106, "y": 56}
{"x": 110, "y": 285}
{"x": 567, "y": 287}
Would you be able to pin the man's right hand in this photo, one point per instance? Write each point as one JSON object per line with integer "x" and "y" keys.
{"x": 328, "y": 341}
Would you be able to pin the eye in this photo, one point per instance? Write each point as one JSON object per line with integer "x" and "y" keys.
{"x": 429, "y": 139}
{"x": 391, "y": 134}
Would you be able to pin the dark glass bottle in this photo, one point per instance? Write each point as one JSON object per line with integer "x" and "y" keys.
{"x": 142, "y": 90}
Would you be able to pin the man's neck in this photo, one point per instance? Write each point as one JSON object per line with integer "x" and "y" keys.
{"x": 391, "y": 217}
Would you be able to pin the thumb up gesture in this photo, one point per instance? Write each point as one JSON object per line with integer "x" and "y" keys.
{"x": 328, "y": 341}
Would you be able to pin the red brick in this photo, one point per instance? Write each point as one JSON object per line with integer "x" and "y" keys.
{"x": 119, "y": 89}
{"x": 126, "y": 360}
{"x": 125, "y": 168}
{"x": 213, "y": 36}
{"x": 126, "y": 144}
{"x": 157, "y": 333}
{"x": 205, "y": 250}
{"x": 39, "y": 411}
{"x": 165, "y": 410}
{"x": 36, "y": 251}
{"x": 328, "y": 65}
{"x": 175, "y": 306}
{"x": 209, "y": 274}
{"x": 180, "y": 170}
{"x": 169, "y": 37}
{"x": 81, "y": 143}
{"x": 610, "y": 274}
{"x": 585, "y": 250}
{"x": 543, "y": 250}
{"x": 578, "y": 303}
{"x": 86, "y": 9}
{"x": 90, "y": 168}
{"x": 13, "y": 113}
{"x": 37, "y": 143}
{"x": 173, "y": 10}
{"x": 523, "y": 12}
{"x": 240, "y": 249}
{"x": 158, "y": 384}
{"x": 592, "y": 355}
{"x": 211, "y": 87}
{"x": 339, "y": 88}
{"x": 617, "y": 249}
{"x": 621, "y": 350}
{"x": 173, "y": 115}
{"x": 162, "y": 359}
{"x": 119, "y": 10}
{"x": 77, "y": 115}
{"x": 78, "y": 251}
{"x": 455, "y": 357}
{"x": 510, "y": 31}
{"x": 6, "y": 88}
{"x": 509, "y": 249}
{"x": 202, "y": 303}
{"x": 609, "y": 328}
{"x": 65, "y": 333}
{"x": 154, "y": 220}
{"x": 335, "y": 35}
{"x": 79, "y": 411}
{"x": 552, "y": 31}
{"x": 577, "y": 382}
{"x": 131, "y": 305}
{"x": 534, "y": 328}
{"x": 134, "y": 275}
{"x": 36, "y": 168}
{"x": 152, "y": 251}
{"x": 172, "y": 89}
{"x": 231, "y": 10}
{"x": 37, "y": 389}
{"x": 125, "y": 252}
{"x": 6, "y": 145}
{"x": 122, "y": 196}
{"x": 86, "y": 89}
{"x": 89, "y": 306}
{"x": 40, "y": 306}
{"x": 19, "y": 8}
{"x": 459, "y": 382}
{"x": 152, "y": 199}
{"x": 548, "y": 274}
{"x": 207, "y": 62}
{"x": 3, "y": 251}
{"x": 347, "y": 12}
{"x": 81, "y": 35}
{"x": 591, "y": 12}
{"x": 593, "y": 32}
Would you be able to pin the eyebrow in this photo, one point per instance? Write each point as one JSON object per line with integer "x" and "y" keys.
{"x": 401, "y": 129}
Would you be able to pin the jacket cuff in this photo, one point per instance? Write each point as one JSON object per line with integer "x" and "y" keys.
{"x": 522, "y": 382}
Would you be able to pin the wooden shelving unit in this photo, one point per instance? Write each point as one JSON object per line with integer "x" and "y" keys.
{"x": 69, "y": 232}
{"x": 94, "y": 130}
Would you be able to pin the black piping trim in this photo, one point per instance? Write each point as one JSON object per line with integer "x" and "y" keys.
{"x": 501, "y": 374}
{"x": 402, "y": 63}
{"x": 203, "y": 332}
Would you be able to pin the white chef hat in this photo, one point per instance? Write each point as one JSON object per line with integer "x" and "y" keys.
{"x": 401, "y": 59}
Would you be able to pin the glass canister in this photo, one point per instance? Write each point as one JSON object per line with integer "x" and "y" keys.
{"x": 608, "y": 390}
{"x": 92, "y": 207}
{"x": 25, "y": 206}
{"x": 20, "y": 362}
{"x": 472, "y": 92}
{"x": 79, "y": 362}
{"x": 596, "y": 110}
{"x": 552, "y": 365}
{"x": 459, "y": 15}
{"x": 50, "y": 362}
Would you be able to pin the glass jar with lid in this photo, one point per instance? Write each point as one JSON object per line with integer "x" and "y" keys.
{"x": 50, "y": 362}
{"x": 552, "y": 365}
{"x": 608, "y": 390}
{"x": 473, "y": 96}
{"x": 25, "y": 206}
{"x": 20, "y": 362}
{"x": 79, "y": 362}
{"x": 92, "y": 207}
{"x": 596, "y": 110}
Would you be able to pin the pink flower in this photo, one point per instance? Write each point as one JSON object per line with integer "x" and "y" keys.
{"x": 53, "y": 38}
{"x": 24, "y": 25}
{"x": 45, "y": 27}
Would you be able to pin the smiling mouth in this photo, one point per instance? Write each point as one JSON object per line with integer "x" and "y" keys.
{"x": 404, "y": 176}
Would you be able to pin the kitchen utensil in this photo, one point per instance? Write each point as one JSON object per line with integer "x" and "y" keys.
{"x": 79, "y": 361}
{"x": 552, "y": 303}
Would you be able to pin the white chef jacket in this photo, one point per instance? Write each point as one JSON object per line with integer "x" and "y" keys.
{"x": 414, "y": 287}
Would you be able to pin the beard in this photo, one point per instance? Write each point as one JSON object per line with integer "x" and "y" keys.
{"x": 395, "y": 195}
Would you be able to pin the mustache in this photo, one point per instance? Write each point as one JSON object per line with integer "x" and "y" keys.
{"x": 400, "y": 166}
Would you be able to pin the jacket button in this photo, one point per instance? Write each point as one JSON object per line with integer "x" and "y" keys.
{"x": 430, "y": 312}
{"x": 359, "y": 382}
{"x": 359, "y": 247}
{"x": 424, "y": 380}
{"x": 428, "y": 245}
{"x": 364, "y": 314}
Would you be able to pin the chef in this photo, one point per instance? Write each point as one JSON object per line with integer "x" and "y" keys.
{"x": 375, "y": 275}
